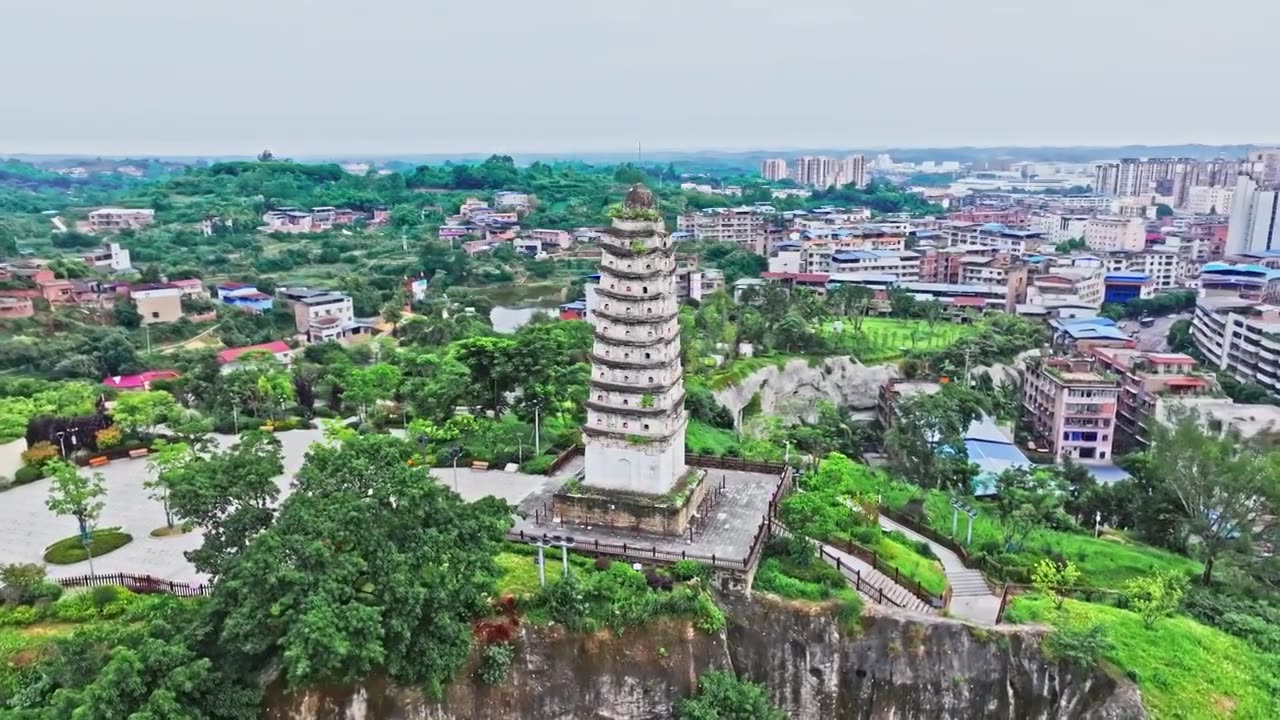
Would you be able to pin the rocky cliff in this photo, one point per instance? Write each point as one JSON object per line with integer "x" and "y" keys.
{"x": 793, "y": 391}
{"x": 898, "y": 667}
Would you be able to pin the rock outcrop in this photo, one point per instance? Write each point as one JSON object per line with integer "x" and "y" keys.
{"x": 792, "y": 392}
{"x": 897, "y": 667}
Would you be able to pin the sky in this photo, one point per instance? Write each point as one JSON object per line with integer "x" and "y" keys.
{"x": 351, "y": 77}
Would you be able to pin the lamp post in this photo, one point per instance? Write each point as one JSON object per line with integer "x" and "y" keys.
{"x": 453, "y": 455}
{"x": 958, "y": 506}
{"x": 537, "y": 439}
{"x": 564, "y": 543}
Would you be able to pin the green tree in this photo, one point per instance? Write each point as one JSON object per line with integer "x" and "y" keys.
{"x": 1051, "y": 579}
{"x": 166, "y": 461}
{"x": 126, "y": 313}
{"x": 367, "y": 386}
{"x": 1228, "y": 488}
{"x": 76, "y": 495}
{"x": 371, "y": 564}
{"x": 925, "y": 442}
{"x": 230, "y": 495}
{"x": 1155, "y": 596}
{"x": 140, "y": 411}
{"x": 721, "y": 696}
{"x": 1027, "y": 500}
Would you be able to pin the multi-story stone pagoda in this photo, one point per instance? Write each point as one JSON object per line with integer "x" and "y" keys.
{"x": 635, "y": 471}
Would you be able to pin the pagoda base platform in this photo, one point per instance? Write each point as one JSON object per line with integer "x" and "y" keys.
{"x": 669, "y": 514}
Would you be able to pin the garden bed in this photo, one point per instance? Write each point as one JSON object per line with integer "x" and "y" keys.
{"x": 68, "y": 551}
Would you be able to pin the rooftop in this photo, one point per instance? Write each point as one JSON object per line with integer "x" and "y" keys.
{"x": 274, "y": 347}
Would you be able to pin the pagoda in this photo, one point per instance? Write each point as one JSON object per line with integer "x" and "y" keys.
{"x": 635, "y": 472}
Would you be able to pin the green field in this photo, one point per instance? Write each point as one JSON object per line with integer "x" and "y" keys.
{"x": 881, "y": 339}
{"x": 703, "y": 439}
{"x": 1186, "y": 670}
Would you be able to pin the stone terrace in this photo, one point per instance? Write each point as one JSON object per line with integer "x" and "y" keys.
{"x": 727, "y": 533}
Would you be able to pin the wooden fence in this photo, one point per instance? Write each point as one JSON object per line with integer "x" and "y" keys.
{"x": 137, "y": 583}
{"x": 727, "y": 463}
{"x": 636, "y": 553}
{"x": 1094, "y": 595}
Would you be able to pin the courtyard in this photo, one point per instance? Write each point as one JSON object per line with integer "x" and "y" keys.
{"x": 27, "y": 527}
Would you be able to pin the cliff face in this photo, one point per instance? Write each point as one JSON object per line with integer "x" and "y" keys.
{"x": 899, "y": 667}
{"x": 793, "y": 391}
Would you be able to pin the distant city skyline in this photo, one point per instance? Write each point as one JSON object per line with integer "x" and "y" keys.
{"x": 388, "y": 77}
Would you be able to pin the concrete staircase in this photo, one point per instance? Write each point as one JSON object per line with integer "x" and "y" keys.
{"x": 967, "y": 583}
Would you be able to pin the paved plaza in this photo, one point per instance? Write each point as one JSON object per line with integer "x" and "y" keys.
{"x": 727, "y": 533}
{"x": 27, "y": 527}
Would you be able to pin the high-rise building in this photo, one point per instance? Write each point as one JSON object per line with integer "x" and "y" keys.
{"x": 1106, "y": 178}
{"x": 1253, "y": 225}
{"x": 852, "y": 169}
{"x": 1264, "y": 165}
{"x": 815, "y": 171}
{"x": 774, "y": 169}
{"x": 635, "y": 411}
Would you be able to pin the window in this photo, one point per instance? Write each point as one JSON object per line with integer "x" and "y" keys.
{"x": 647, "y": 356}
{"x": 600, "y": 398}
{"x": 606, "y": 306}
{"x": 624, "y": 425}
{"x": 155, "y": 314}
{"x": 646, "y": 426}
{"x": 645, "y": 289}
{"x": 625, "y": 401}
{"x": 626, "y": 356}
{"x": 651, "y": 378}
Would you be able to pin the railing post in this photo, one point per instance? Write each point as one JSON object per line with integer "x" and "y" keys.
{"x": 881, "y": 591}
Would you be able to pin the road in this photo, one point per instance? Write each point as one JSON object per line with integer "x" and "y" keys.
{"x": 1155, "y": 338}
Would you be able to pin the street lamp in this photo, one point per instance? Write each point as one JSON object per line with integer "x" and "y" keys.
{"x": 958, "y": 506}
{"x": 454, "y": 454}
{"x": 545, "y": 543}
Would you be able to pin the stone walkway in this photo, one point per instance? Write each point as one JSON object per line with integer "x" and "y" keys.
{"x": 971, "y": 597}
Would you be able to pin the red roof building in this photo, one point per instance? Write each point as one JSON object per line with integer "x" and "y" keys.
{"x": 278, "y": 348}
{"x": 141, "y": 381}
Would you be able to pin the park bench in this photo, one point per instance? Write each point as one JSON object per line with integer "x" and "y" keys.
{"x": 479, "y": 465}
{"x": 140, "y": 452}
{"x": 98, "y": 461}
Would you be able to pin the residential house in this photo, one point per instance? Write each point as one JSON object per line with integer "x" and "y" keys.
{"x": 234, "y": 358}
{"x": 157, "y": 302}
{"x": 140, "y": 381}
{"x": 110, "y": 256}
{"x": 1146, "y": 378}
{"x": 311, "y": 306}
{"x": 1072, "y": 408}
{"x": 245, "y": 297}
{"x": 12, "y": 308}
{"x": 116, "y": 219}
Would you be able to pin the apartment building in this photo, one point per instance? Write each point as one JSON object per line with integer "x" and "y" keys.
{"x": 1112, "y": 234}
{"x": 110, "y": 257}
{"x": 902, "y": 264}
{"x": 1014, "y": 242}
{"x": 1084, "y": 286}
{"x": 746, "y": 226}
{"x": 1256, "y": 423}
{"x": 1147, "y": 378}
{"x": 1123, "y": 287}
{"x": 1249, "y": 281}
{"x": 1209, "y": 200}
{"x": 694, "y": 284}
{"x": 157, "y": 302}
{"x": 1072, "y": 408}
{"x": 117, "y": 219}
{"x": 774, "y": 169}
{"x": 1255, "y": 209}
{"x": 1240, "y": 337}
{"x": 1059, "y": 227}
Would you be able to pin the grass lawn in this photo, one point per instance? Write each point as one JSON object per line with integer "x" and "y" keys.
{"x": 69, "y": 550}
{"x": 1186, "y": 670}
{"x": 705, "y": 439}
{"x": 519, "y": 568}
{"x": 884, "y": 338}
{"x": 911, "y": 563}
{"x": 1106, "y": 562}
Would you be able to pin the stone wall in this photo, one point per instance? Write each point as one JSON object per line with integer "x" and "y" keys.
{"x": 793, "y": 391}
{"x": 11, "y": 459}
{"x": 898, "y": 667}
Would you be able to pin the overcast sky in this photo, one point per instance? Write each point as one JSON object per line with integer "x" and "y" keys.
{"x": 381, "y": 76}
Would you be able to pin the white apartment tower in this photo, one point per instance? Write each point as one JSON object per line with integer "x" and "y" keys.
{"x": 636, "y": 420}
{"x": 774, "y": 169}
{"x": 852, "y": 169}
{"x": 1255, "y": 218}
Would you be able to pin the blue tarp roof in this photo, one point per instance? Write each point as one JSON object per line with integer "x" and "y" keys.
{"x": 1127, "y": 277}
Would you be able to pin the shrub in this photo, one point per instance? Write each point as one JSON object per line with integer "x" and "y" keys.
{"x": 721, "y": 695}
{"x": 108, "y": 437}
{"x": 1155, "y": 596}
{"x": 709, "y": 618}
{"x": 18, "y": 615}
{"x": 689, "y": 569}
{"x": 1080, "y": 646}
{"x": 21, "y": 582}
{"x": 540, "y": 465}
{"x": 495, "y": 660}
{"x": 566, "y": 602}
{"x": 1050, "y": 579}
{"x": 105, "y": 595}
{"x": 39, "y": 454}
{"x": 27, "y": 474}
{"x": 75, "y": 607}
